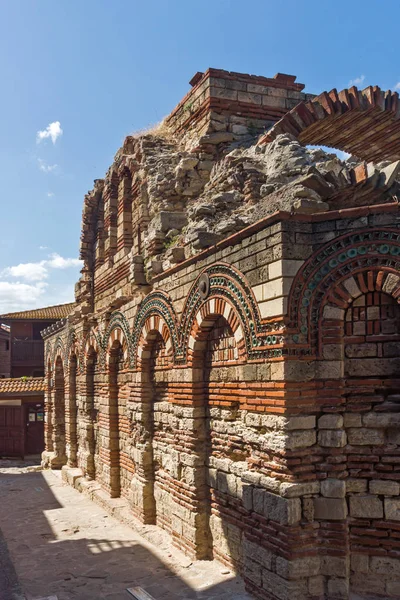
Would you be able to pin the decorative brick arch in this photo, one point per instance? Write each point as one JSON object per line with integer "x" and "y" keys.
{"x": 59, "y": 351}
{"x": 48, "y": 353}
{"x": 117, "y": 331}
{"x": 155, "y": 313}
{"x": 228, "y": 294}
{"x": 72, "y": 348}
{"x": 355, "y": 263}
{"x": 209, "y": 312}
{"x": 153, "y": 325}
{"x": 364, "y": 123}
{"x": 117, "y": 335}
{"x": 91, "y": 344}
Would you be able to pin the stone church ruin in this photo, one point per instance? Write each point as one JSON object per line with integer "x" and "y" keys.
{"x": 231, "y": 371}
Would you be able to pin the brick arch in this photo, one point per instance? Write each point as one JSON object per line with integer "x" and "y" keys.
{"x": 48, "y": 354}
{"x": 345, "y": 296}
{"x": 117, "y": 331}
{"x": 355, "y": 263}
{"x": 117, "y": 336}
{"x": 153, "y": 327}
{"x": 72, "y": 348}
{"x": 365, "y": 123}
{"x": 155, "y": 313}
{"x": 205, "y": 319}
{"x": 231, "y": 296}
{"x": 59, "y": 352}
{"x": 90, "y": 345}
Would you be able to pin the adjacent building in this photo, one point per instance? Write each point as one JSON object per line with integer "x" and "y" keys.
{"x": 5, "y": 351}
{"x": 22, "y": 383}
{"x": 231, "y": 369}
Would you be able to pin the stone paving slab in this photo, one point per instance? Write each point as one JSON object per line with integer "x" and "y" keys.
{"x": 61, "y": 543}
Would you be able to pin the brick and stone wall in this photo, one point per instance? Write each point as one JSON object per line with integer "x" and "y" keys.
{"x": 245, "y": 398}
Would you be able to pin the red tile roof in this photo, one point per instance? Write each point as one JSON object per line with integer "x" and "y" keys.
{"x": 19, "y": 385}
{"x": 49, "y": 313}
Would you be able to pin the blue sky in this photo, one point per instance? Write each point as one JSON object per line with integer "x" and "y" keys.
{"x": 101, "y": 69}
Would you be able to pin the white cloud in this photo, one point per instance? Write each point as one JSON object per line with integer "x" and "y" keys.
{"x": 28, "y": 271}
{"x": 43, "y": 166}
{"x": 20, "y": 296}
{"x": 30, "y": 285}
{"x": 50, "y": 194}
{"x": 53, "y": 131}
{"x": 58, "y": 262}
{"x": 357, "y": 80}
{"x": 43, "y": 247}
{"x": 397, "y": 86}
{"x": 39, "y": 271}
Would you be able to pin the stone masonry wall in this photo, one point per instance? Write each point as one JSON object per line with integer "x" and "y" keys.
{"x": 256, "y": 404}
{"x": 231, "y": 371}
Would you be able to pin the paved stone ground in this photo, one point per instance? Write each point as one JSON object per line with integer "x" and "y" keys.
{"x": 61, "y": 543}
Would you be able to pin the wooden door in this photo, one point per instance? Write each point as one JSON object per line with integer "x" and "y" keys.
{"x": 11, "y": 431}
{"x": 34, "y": 419}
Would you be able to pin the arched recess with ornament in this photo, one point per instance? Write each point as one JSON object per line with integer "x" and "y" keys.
{"x": 88, "y": 426}
{"x": 115, "y": 456}
{"x": 359, "y": 267}
{"x": 154, "y": 344}
{"x": 220, "y": 330}
{"x": 71, "y": 424}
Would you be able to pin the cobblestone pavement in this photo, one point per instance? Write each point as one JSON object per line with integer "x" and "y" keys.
{"x": 61, "y": 543}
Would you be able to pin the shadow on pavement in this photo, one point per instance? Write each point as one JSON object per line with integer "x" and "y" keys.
{"x": 82, "y": 568}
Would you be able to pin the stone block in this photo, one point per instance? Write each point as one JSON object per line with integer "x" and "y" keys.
{"x": 384, "y": 487}
{"x": 306, "y": 422}
{"x": 356, "y": 485}
{"x": 330, "y": 509}
{"x": 372, "y": 419}
{"x": 298, "y": 567}
{"x": 362, "y": 436}
{"x": 273, "y": 308}
{"x": 352, "y": 420}
{"x": 333, "y": 312}
{"x": 329, "y": 369}
{"x": 258, "y": 500}
{"x": 361, "y": 350}
{"x": 172, "y": 220}
{"x": 256, "y": 553}
{"x": 393, "y": 436}
{"x": 330, "y": 422}
{"x": 366, "y": 507}
{"x": 296, "y": 490}
{"x": 285, "y": 511}
{"x": 361, "y": 583}
{"x": 332, "y": 351}
{"x": 338, "y": 588}
{"x": 282, "y": 589}
{"x": 359, "y": 563}
{"x": 333, "y": 488}
{"x": 393, "y": 588}
{"x": 384, "y": 565}
{"x": 308, "y": 509}
{"x": 316, "y": 586}
{"x": 352, "y": 287}
{"x": 335, "y": 566}
{"x": 392, "y": 509}
{"x": 332, "y": 438}
{"x": 301, "y": 439}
